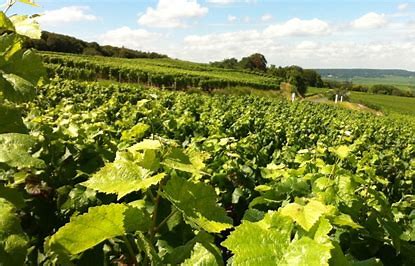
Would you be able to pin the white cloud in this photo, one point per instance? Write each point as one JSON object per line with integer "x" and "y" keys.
{"x": 298, "y": 27}
{"x": 172, "y": 13}
{"x": 403, "y": 6}
{"x": 65, "y": 15}
{"x": 247, "y": 19}
{"x": 266, "y": 17}
{"x": 221, "y": 2}
{"x": 371, "y": 20}
{"x": 232, "y": 18}
{"x": 227, "y": 2}
{"x": 139, "y": 39}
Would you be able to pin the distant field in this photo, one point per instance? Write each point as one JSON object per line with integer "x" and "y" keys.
{"x": 385, "y": 103}
{"x": 388, "y": 103}
{"x": 403, "y": 83}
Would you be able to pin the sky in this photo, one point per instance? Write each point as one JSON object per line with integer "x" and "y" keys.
{"x": 311, "y": 34}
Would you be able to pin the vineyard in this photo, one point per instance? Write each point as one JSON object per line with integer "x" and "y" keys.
{"x": 166, "y": 73}
{"x": 125, "y": 174}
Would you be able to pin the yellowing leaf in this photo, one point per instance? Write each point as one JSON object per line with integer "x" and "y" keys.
{"x": 26, "y": 26}
{"x": 260, "y": 243}
{"x": 308, "y": 252}
{"x": 306, "y": 216}
{"x": 342, "y": 152}
{"x": 122, "y": 177}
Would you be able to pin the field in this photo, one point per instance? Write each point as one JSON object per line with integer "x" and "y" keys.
{"x": 388, "y": 103}
{"x": 385, "y": 103}
{"x": 165, "y": 162}
{"x": 403, "y": 83}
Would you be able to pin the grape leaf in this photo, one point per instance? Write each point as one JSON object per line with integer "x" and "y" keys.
{"x": 342, "y": 152}
{"x": 200, "y": 256}
{"x": 122, "y": 177}
{"x": 306, "y": 251}
{"x": 26, "y": 26}
{"x": 146, "y": 144}
{"x": 16, "y": 89}
{"x": 14, "y": 151}
{"x": 13, "y": 241}
{"x": 136, "y": 132}
{"x": 5, "y": 23}
{"x": 11, "y": 120}
{"x": 197, "y": 201}
{"x": 260, "y": 243}
{"x": 98, "y": 224}
{"x": 29, "y": 2}
{"x": 192, "y": 163}
{"x": 306, "y": 216}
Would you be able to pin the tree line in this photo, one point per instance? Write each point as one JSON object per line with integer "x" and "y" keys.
{"x": 375, "y": 89}
{"x": 54, "y": 42}
{"x": 298, "y": 77}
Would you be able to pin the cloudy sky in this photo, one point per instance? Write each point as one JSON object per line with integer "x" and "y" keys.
{"x": 312, "y": 34}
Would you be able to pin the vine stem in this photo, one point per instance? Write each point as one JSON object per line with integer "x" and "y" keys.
{"x": 8, "y": 5}
{"x": 156, "y": 205}
{"x": 130, "y": 250}
{"x": 165, "y": 220}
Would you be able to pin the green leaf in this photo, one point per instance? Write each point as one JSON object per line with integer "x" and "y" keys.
{"x": 368, "y": 262}
{"x": 26, "y": 26}
{"x": 342, "y": 152}
{"x": 28, "y": 65}
{"x": 197, "y": 201}
{"x": 122, "y": 177}
{"x": 306, "y": 216}
{"x": 29, "y": 2}
{"x": 11, "y": 120}
{"x": 100, "y": 223}
{"x": 179, "y": 160}
{"x": 345, "y": 220}
{"x": 136, "y": 132}
{"x": 5, "y": 23}
{"x": 14, "y": 151}
{"x": 306, "y": 251}
{"x": 260, "y": 243}
{"x": 16, "y": 89}
{"x": 13, "y": 241}
{"x": 200, "y": 256}
{"x": 12, "y": 195}
{"x": 10, "y": 46}
{"x": 146, "y": 144}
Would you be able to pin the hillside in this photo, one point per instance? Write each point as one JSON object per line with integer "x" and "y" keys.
{"x": 362, "y": 72}
{"x": 163, "y": 72}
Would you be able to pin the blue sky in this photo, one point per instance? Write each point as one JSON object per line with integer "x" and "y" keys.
{"x": 365, "y": 33}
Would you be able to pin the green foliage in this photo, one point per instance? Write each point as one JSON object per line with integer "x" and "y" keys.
{"x": 100, "y": 223}
{"x": 197, "y": 202}
{"x": 122, "y": 177}
{"x": 305, "y": 184}
{"x": 200, "y": 256}
{"x": 260, "y": 243}
{"x": 13, "y": 241}
{"x": 306, "y": 216}
{"x": 16, "y": 148}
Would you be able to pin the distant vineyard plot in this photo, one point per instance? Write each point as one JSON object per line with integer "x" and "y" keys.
{"x": 158, "y": 72}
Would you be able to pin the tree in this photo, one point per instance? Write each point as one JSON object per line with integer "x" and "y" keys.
{"x": 254, "y": 62}
{"x": 296, "y": 78}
